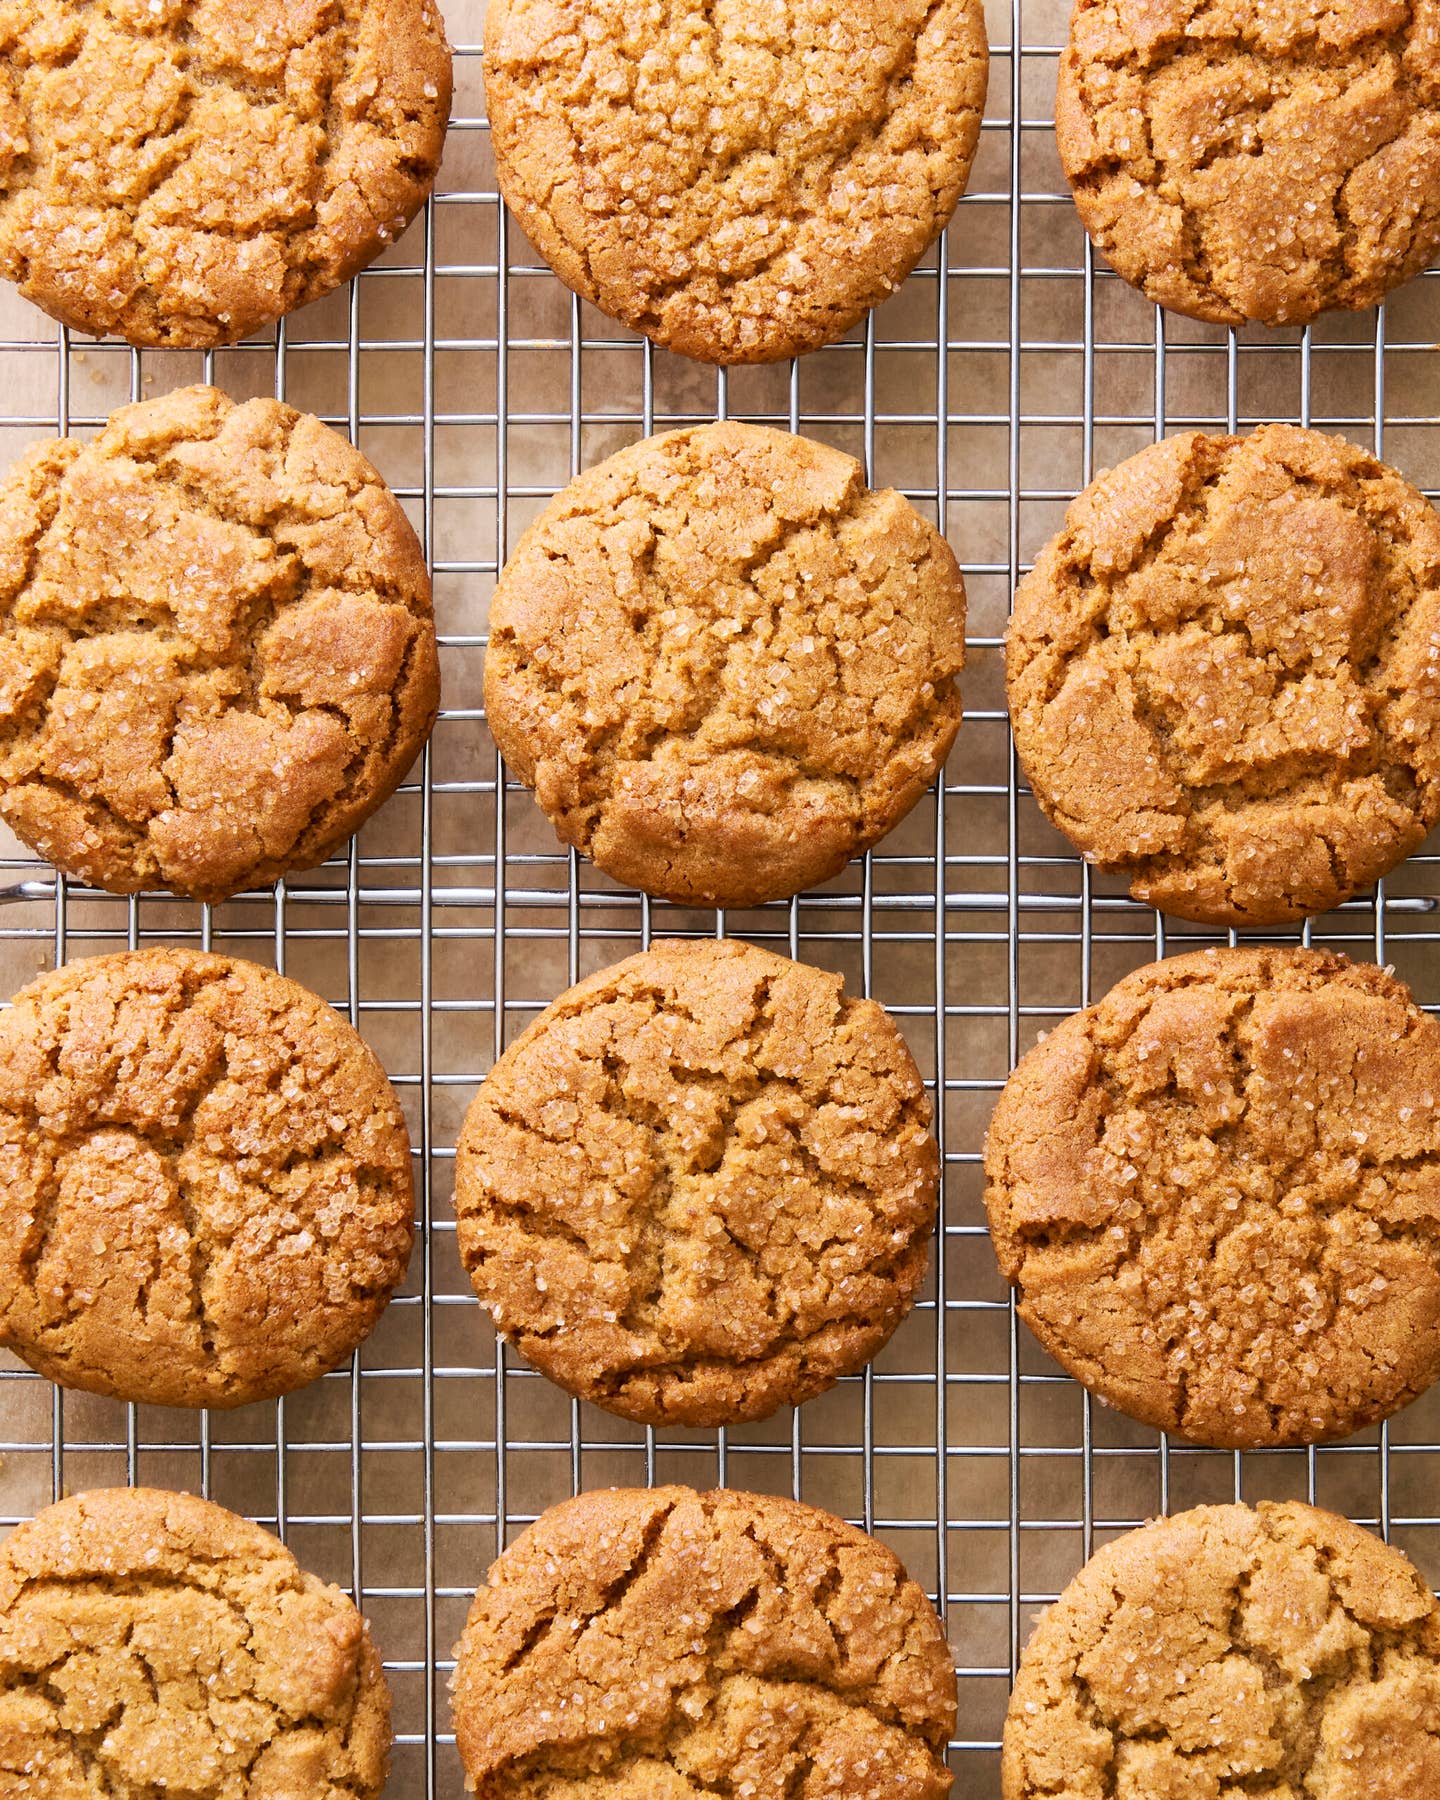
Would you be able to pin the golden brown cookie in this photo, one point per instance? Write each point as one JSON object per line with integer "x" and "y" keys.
{"x": 638, "y": 1645}
{"x": 1216, "y": 1195}
{"x": 205, "y": 1193}
{"x": 1240, "y": 160}
{"x": 185, "y": 171}
{"x": 1224, "y": 674}
{"x": 724, "y": 665}
{"x": 156, "y": 1644}
{"x": 700, "y": 1186}
{"x": 1279, "y": 1651}
{"x": 740, "y": 183}
{"x": 217, "y": 649}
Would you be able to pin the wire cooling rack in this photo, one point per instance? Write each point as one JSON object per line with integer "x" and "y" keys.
{"x": 1008, "y": 370}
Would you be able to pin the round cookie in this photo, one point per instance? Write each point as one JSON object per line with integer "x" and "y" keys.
{"x": 1224, "y": 674}
{"x": 650, "y": 1645}
{"x": 700, "y": 1186}
{"x": 725, "y": 666}
{"x": 217, "y": 647}
{"x": 1279, "y": 1651}
{"x": 183, "y": 172}
{"x": 205, "y": 1193}
{"x": 1215, "y": 1195}
{"x": 1251, "y": 161}
{"x": 739, "y": 183}
{"x": 153, "y": 1643}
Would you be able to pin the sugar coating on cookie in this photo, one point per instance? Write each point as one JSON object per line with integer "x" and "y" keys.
{"x": 205, "y": 1193}
{"x": 183, "y": 172}
{"x": 1241, "y": 161}
{"x": 724, "y": 665}
{"x": 740, "y": 183}
{"x": 701, "y": 1185}
{"x": 154, "y": 1643}
{"x": 217, "y": 648}
{"x": 1224, "y": 673}
{"x": 673, "y": 1643}
{"x": 1214, "y": 1193}
{"x": 1279, "y": 1651}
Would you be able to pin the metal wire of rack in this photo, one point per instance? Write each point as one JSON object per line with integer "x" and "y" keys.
{"x": 1009, "y": 369}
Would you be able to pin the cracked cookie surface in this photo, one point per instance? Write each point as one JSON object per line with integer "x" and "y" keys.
{"x": 1279, "y": 1652}
{"x": 1224, "y": 674}
{"x": 1217, "y": 1194}
{"x": 1241, "y": 162}
{"x": 724, "y": 665}
{"x": 154, "y": 1643}
{"x": 217, "y": 649}
{"x": 205, "y": 1193}
{"x": 185, "y": 171}
{"x": 701, "y": 1185}
{"x": 668, "y": 1645}
{"x": 739, "y": 183}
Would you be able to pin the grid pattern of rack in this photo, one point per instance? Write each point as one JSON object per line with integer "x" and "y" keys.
{"x": 1008, "y": 370}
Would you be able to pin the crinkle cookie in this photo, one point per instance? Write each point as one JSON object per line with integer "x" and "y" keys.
{"x": 185, "y": 171}
{"x": 724, "y": 665}
{"x": 658, "y": 1645}
{"x": 1279, "y": 1652}
{"x": 154, "y": 1644}
{"x": 205, "y": 1193}
{"x": 1224, "y": 674}
{"x": 1243, "y": 160}
{"x": 1216, "y": 1196}
{"x": 741, "y": 183}
{"x": 217, "y": 646}
{"x": 700, "y": 1186}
